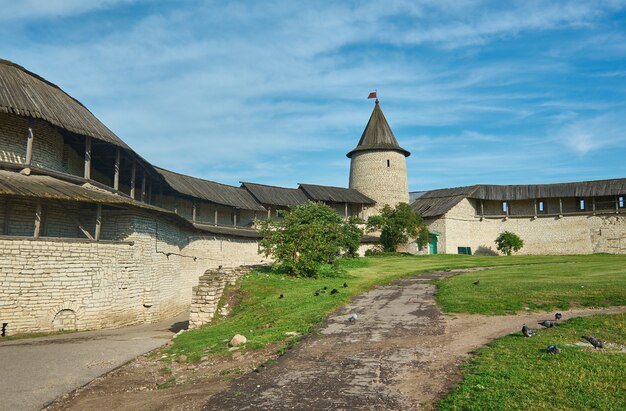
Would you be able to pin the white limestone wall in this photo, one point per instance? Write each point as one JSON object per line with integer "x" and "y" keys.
{"x": 578, "y": 234}
{"x": 383, "y": 183}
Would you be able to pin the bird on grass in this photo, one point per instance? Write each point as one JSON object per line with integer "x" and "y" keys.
{"x": 317, "y": 293}
{"x": 477, "y": 282}
{"x": 553, "y": 349}
{"x": 325, "y": 288}
{"x": 345, "y": 285}
{"x": 527, "y": 331}
{"x": 334, "y": 291}
{"x": 281, "y": 296}
{"x": 353, "y": 318}
{"x": 593, "y": 341}
{"x": 558, "y": 316}
{"x": 546, "y": 323}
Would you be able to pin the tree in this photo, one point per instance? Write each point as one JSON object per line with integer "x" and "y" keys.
{"x": 309, "y": 236}
{"x": 508, "y": 242}
{"x": 397, "y": 225}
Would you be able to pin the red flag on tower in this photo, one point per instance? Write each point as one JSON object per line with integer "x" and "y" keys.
{"x": 372, "y": 95}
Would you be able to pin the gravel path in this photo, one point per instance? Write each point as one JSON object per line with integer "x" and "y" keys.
{"x": 35, "y": 371}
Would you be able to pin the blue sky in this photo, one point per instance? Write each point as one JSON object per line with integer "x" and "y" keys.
{"x": 275, "y": 92}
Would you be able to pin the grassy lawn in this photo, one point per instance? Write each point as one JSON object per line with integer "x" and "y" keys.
{"x": 589, "y": 281}
{"x": 515, "y": 372}
{"x": 264, "y": 318}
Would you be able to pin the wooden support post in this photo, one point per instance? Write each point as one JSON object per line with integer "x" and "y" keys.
{"x": 560, "y": 207}
{"x": 593, "y": 205}
{"x": 193, "y": 212}
{"x": 38, "y": 213}
{"x": 116, "y": 176}
{"x": 361, "y": 212}
{"x": 269, "y": 213}
{"x": 143, "y": 185}
{"x": 482, "y": 209}
{"x": 508, "y": 208}
{"x": 7, "y": 213}
{"x": 149, "y": 191}
{"x": 72, "y": 216}
{"x": 616, "y": 204}
{"x": 215, "y": 217}
{"x": 98, "y": 222}
{"x": 535, "y": 208}
{"x": 235, "y": 218}
{"x": 345, "y": 211}
{"x": 133, "y": 174}
{"x": 29, "y": 144}
{"x": 88, "y": 158}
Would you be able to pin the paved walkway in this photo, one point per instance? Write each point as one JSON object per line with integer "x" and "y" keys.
{"x": 38, "y": 370}
{"x": 350, "y": 366}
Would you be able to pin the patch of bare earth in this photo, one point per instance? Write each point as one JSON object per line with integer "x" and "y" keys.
{"x": 401, "y": 353}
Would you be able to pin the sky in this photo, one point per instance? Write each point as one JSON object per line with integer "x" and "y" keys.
{"x": 274, "y": 92}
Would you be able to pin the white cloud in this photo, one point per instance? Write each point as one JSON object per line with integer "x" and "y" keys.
{"x": 589, "y": 134}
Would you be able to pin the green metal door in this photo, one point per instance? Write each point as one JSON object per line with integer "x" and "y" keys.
{"x": 432, "y": 246}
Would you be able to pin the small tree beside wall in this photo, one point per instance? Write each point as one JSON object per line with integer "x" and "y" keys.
{"x": 507, "y": 242}
{"x": 397, "y": 225}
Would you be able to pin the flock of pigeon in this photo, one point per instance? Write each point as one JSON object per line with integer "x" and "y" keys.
{"x": 553, "y": 349}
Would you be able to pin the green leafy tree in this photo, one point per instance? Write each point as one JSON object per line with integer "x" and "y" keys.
{"x": 309, "y": 236}
{"x": 397, "y": 225}
{"x": 507, "y": 242}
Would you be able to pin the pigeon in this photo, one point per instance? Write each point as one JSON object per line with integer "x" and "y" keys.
{"x": 594, "y": 341}
{"x": 345, "y": 285}
{"x": 317, "y": 293}
{"x": 558, "y": 316}
{"x": 325, "y": 288}
{"x": 476, "y": 282}
{"x": 527, "y": 331}
{"x": 334, "y": 291}
{"x": 553, "y": 349}
{"x": 546, "y": 323}
{"x": 353, "y": 318}
{"x": 281, "y": 296}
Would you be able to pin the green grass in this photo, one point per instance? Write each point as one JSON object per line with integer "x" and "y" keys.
{"x": 264, "y": 318}
{"x": 588, "y": 281}
{"x": 515, "y": 372}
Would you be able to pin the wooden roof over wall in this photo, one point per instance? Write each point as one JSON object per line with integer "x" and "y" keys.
{"x": 438, "y": 202}
{"x": 26, "y": 94}
{"x": 335, "y": 194}
{"x": 210, "y": 191}
{"x": 278, "y": 196}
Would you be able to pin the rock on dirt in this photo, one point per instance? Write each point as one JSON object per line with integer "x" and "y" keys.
{"x": 238, "y": 340}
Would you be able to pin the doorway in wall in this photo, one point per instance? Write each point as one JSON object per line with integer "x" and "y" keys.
{"x": 432, "y": 244}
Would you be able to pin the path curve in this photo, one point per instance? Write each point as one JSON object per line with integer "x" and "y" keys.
{"x": 401, "y": 354}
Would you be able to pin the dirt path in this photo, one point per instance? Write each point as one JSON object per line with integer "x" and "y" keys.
{"x": 401, "y": 353}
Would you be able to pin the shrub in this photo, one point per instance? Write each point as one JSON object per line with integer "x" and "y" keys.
{"x": 397, "y": 225}
{"x": 309, "y": 236}
{"x": 508, "y": 242}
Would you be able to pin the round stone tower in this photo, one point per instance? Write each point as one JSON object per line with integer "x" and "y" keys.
{"x": 378, "y": 164}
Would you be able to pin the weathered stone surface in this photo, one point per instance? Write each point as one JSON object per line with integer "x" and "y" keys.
{"x": 238, "y": 340}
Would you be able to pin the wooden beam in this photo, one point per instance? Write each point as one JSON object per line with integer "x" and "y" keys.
{"x": 7, "y": 213}
{"x": 535, "y": 208}
{"x": 269, "y": 213}
{"x": 88, "y": 158}
{"x": 345, "y": 211}
{"x": 37, "y": 232}
{"x": 98, "y": 222}
{"x": 133, "y": 175}
{"x": 149, "y": 191}
{"x": 560, "y": 207}
{"x": 143, "y": 185}
{"x": 116, "y": 176}
{"x": 29, "y": 144}
{"x": 235, "y": 218}
{"x": 193, "y": 212}
{"x": 215, "y": 218}
{"x": 72, "y": 216}
{"x": 593, "y": 205}
{"x": 482, "y": 208}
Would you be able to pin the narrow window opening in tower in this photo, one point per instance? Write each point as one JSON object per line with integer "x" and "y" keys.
{"x": 388, "y": 163}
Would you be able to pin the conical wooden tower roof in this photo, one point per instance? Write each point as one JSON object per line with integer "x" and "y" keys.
{"x": 377, "y": 135}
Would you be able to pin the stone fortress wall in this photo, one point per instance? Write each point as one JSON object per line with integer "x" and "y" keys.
{"x": 581, "y": 233}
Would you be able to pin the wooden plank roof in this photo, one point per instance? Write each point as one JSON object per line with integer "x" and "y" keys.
{"x": 232, "y": 231}
{"x": 278, "y": 196}
{"x": 438, "y": 202}
{"x": 26, "y": 94}
{"x": 210, "y": 191}
{"x": 378, "y": 135}
{"x": 335, "y": 194}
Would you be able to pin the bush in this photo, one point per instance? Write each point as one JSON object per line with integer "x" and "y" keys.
{"x": 508, "y": 242}
{"x": 397, "y": 225}
{"x": 309, "y": 236}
